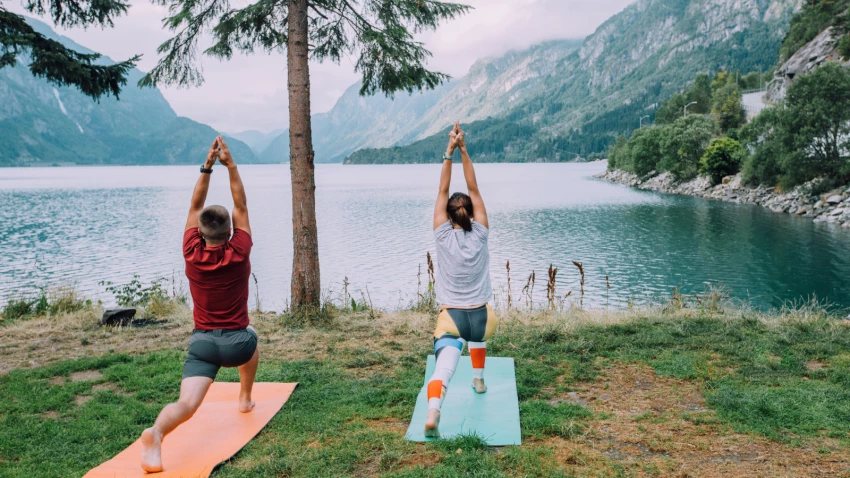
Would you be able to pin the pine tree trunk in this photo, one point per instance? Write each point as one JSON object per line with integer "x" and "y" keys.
{"x": 306, "y": 288}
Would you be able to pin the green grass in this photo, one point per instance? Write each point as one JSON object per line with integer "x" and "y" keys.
{"x": 345, "y": 419}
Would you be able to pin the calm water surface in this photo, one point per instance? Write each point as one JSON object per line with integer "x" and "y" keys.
{"x": 89, "y": 224}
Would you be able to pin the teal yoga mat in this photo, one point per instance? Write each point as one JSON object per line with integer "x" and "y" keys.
{"x": 494, "y": 416}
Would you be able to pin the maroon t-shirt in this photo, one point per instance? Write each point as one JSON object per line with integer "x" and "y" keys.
{"x": 218, "y": 280}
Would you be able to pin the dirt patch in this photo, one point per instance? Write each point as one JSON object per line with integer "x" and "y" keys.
{"x": 388, "y": 425}
{"x": 57, "y": 381}
{"x": 814, "y": 366}
{"x": 421, "y": 458}
{"x": 81, "y": 400}
{"x": 662, "y": 424}
{"x": 50, "y": 415}
{"x": 101, "y": 387}
{"x": 86, "y": 376}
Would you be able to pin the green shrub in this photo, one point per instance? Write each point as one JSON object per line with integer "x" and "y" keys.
{"x": 762, "y": 137}
{"x": 17, "y": 309}
{"x": 137, "y": 294}
{"x": 817, "y": 126}
{"x": 618, "y": 154}
{"x": 48, "y": 302}
{"x": 683, "y": 144}
{"x": 844, "y": 47}
{"x": 645, "y": 149}
{"x": 722, "y": 158}
{"x": 727, "y": 107}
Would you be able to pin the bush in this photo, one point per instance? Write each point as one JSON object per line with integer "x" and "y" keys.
{"x": 722, "y": 158}
{"x": 844, "y": 47}
{"x": 645, "y": 149}
{"x": 683, "y": 144}
{"x": 762, "y": 138}
{"x": 618, "y": 154}
{"x": 135, "y": 293}
{"x": 816, "y": 124}
{"x": 48, "y": 302}
{"x": 727, "y": 107}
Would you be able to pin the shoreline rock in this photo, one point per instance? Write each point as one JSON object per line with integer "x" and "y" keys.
{"x": 832, "y": 207}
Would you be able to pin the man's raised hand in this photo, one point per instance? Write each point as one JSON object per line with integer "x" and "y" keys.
{"x": 224, "y": 156}
{"x": 212, "y": 155}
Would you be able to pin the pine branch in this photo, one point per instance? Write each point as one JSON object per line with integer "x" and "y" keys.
{"x": 57, "y": 64}
{"x": 382, "y": 30}
{"x": 71, "y": 13}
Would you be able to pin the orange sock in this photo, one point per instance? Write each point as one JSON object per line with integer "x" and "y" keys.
{"x": 435, "y": 389}
{"x": 478, "y": 357}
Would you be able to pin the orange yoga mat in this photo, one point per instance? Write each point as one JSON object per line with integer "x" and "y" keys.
{"x": 215, "y": 433}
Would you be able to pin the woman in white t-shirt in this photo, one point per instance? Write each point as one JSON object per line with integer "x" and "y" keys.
{"x": 461, "y": 231}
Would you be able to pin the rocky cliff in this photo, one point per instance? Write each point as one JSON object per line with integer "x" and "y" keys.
{"x": 822, "y": 49}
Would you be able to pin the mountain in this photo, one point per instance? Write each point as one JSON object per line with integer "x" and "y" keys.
{"x": 43, "y": 124}
{"x": 360, "y": 122}
{"x": 493, "y": 87}
{"x": 257, "y": 140}
{"x": 583, "y": 100}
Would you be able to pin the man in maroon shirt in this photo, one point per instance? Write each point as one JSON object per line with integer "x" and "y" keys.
{"x": 218, "y": 269}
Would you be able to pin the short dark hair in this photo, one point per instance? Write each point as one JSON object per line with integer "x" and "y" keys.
{"x": 214, "y": 223}
{"x": 459, "y": 209}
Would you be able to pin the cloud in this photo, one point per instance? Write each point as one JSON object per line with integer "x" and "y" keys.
{"x": 249, "y": 92}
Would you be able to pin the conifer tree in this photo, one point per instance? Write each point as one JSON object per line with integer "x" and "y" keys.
{"x": 50, "y": 59}
{"x": 379, "y": 33}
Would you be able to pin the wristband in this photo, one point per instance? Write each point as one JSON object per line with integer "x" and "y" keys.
{"x": 205, "y": 170}
{"x": 447, "y": 157}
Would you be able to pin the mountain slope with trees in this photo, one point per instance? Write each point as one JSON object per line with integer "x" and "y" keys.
{"x": 802, "y": 139}
{"x": 44, "y": 124}
{"x": 639, "y": 57}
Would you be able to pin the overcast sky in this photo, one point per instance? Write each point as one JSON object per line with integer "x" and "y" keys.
{"x": 249, "y": 92}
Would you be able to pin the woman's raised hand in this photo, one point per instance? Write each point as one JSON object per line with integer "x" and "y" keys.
{"x": 456, "y": 139}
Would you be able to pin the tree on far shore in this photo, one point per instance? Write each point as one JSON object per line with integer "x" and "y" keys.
{"x": 51, "y": 60}
{"x": 378, "y": 32}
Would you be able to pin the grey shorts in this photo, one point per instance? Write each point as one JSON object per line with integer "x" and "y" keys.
{"x": 209, "y": 350}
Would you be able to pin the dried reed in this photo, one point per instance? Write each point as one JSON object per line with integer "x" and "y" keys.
{"x": 258, "y": 307}
{"x": 528, "y": 291}
{"x": 508, "y": 267}
{"x": 550, "y": 286}
{"x": 580, "y": 271}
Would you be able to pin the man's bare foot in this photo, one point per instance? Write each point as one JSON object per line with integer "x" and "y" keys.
{"x": 432, "y": 424}
{"x": 478, "y": 385}
{"x": 246, "y": 406}
{"x": 151, "y": 451}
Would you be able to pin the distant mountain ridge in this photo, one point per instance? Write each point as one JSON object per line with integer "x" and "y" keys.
{"x": 581, "y": 101}
{"x": 44, "y": 125}
{"x": 356, "y": 122}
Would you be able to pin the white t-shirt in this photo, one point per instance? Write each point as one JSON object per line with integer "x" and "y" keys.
{"x": 463, "y": 265}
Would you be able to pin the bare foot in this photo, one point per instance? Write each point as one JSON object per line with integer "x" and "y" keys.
{"x": 246, "y": 406}
{"x": 432, "y": 424}
{"x": 478, "y": 385}
{"x": 151, "y": 451}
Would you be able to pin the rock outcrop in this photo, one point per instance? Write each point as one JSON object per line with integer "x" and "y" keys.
{"x": 822, "y": 49}
{"x": 832, "y": 207}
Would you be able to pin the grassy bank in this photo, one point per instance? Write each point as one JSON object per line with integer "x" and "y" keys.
{"x": 650, "y": 392}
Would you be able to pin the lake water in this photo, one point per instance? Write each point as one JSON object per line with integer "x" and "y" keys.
{"x": 88, "y": 224}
